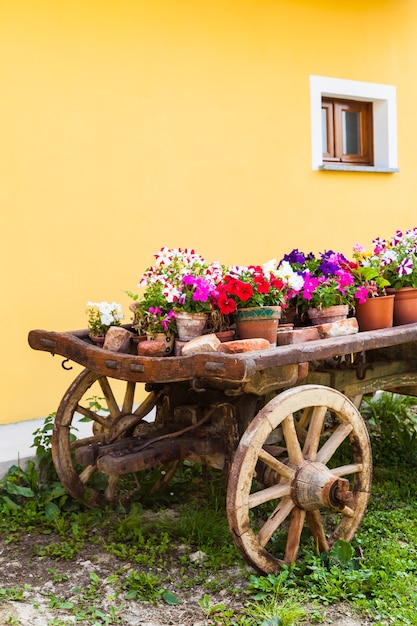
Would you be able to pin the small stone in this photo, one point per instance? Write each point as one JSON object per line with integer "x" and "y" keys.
{"x": 297, "y": 335}
{"x": 341, "y": 328}
{"x": 151, "y": 348}
{"x": 198, "y": 557}
{"x": 179, "y": 346}
{"x": 244, "y": 345}
{"x": 117, "y": 339}
{"x": 204, "y": 343}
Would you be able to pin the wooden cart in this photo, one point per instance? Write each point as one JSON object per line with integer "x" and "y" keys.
{"x": 282, "y": 424}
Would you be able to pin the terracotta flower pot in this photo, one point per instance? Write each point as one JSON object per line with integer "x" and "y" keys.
{"x": 168, "y": 340}
{"x": 375, "y": 313}
{"x": 190, "y": 325}
{"x": 98, "y": 340}
{"x": 258, "y": 322}
{"x": 326, "y": 316}
{"x": 225, "y": 335}
{"x": 405, "y": 305}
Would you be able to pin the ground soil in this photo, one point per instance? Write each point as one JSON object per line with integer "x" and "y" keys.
{"x": 19, "y": 567}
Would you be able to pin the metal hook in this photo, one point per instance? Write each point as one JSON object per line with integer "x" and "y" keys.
{"x": 194, "y": 386}
{"x": 64, "y": 366}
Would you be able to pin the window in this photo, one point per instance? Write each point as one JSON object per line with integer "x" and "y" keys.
{"x": 347, "y": 131}
{"x": 353, "y": 125}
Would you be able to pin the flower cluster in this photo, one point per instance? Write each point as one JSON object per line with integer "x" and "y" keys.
{"x": 327, "y": 279}
{"x": 368, "y": 273}
{"x": 186, "y": 280}
{"x": 157, "y": 321}
{"x": 182, "y": 280}
{"x": 102, "y": 315}
{"x": 256, "y": 285}
{"x": 397, "y": 256}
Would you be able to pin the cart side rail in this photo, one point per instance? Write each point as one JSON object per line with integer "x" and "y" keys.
{"x": 238, "y": 368}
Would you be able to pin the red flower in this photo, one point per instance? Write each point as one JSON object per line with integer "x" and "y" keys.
{"x": 277, "y": 283}
{"x": 262, "y": 285}
{"x": 240, "y": 289}
{"x": 226, "y": 304}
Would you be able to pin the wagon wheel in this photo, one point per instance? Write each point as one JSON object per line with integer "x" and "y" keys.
{"x": 93, "y": 397}
{"x": 311, "y": 448}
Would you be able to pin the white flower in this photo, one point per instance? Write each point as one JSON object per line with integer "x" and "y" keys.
{"x": 270, "y": 266}
{"x": 286, "y": 273}
{"x": 109, "y": 312}
{"x": 388, "y": 257}
{"x": 171, "y": 293}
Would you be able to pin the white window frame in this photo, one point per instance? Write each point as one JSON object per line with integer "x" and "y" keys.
{"x": 384, "y": 101}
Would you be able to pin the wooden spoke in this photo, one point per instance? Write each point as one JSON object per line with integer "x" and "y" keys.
{"x": 311, "y": 443}
{"x": 111, "y": 489}
{"x": 95, "y": 417}
{"x": 74, "y": 454}
{"x": 129, "y": 397}
{"x": 348, "y": 511}
{"x": 294, "y": 534}
{"x": 146, "y": 406}
{"x": 112, "y": 405}
{"x": 298, "y": 477}
{"x": 329, "y": 448}
{"x": 275, "y": 520}
{"x": 303, "y": 422}
{"x": 317, "y": 530}
{"x": 268, "y": 494}
{"x": 86, "y": 474}
{"x": 275, "y": 464}
{"x": 293, "y": 445}
{"x": 166, "y": 477}
{"x": 345, "y": 470}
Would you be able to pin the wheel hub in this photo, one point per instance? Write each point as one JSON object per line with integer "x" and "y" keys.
{"x": 314, "y": 486}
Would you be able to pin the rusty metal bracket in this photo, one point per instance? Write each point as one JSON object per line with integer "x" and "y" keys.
{"x": 361, "y": 370}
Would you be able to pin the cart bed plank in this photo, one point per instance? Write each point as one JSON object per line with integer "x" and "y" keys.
{"x": 75, "y": 346}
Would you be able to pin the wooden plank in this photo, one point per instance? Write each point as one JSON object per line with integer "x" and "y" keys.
{"x": 236, "y": 367}
{"x": 378, "y": 376}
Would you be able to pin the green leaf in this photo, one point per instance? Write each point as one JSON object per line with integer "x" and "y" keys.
{"x": 17, "y": 490}
{"x": 170, "y": 598}
{"x": 343, "y": 551}
{"x": 51, "y": 511}
{"x": 10, "y": 503}
{"x": 272, "y": 621}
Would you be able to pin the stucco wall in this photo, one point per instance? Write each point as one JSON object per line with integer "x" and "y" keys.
{"x": 127, "y": 125}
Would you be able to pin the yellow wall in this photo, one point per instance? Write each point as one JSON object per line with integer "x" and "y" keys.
{"x": 126, "y": 125}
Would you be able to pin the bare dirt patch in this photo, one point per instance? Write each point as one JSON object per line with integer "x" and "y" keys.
{"x": 80, "y": 591}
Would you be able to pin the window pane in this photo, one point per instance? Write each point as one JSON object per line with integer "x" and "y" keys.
{"x": 324, "y": 139}
{"x": 351, "y": 135}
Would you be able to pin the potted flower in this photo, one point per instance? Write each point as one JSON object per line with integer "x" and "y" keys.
{"x": 188, "y": 284}
{"x": 152, "y": 314}
{"x": 398, "y": 256}
{"x": 328, "y": 291}
{"x": 374, "y": 308}
{"x": 101, "y": 316}
{"x": 253, "y": 294}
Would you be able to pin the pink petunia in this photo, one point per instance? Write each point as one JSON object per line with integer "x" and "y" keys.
{"x": 362, "y": 294}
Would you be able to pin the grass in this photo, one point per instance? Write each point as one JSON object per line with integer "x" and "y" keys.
{"x": 375, "y": 575}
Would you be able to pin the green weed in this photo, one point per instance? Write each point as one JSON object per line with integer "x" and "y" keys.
{"x": 392, "y": 424}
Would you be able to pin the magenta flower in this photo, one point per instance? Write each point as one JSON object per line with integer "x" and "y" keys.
{"x": 310, "y": 285}
{"x": 362, "y": 294}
